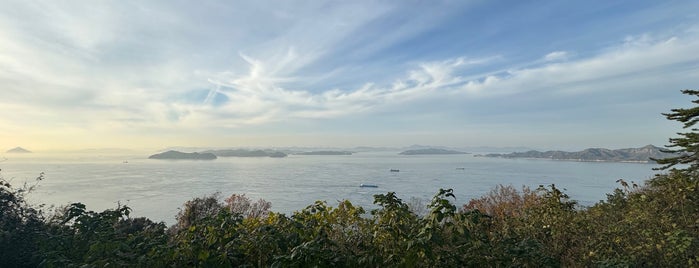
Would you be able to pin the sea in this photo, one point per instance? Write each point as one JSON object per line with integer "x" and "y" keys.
{"x": 157, "y": 189}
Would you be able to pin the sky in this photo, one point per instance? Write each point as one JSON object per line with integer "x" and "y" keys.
{"x": 154, "y": 74}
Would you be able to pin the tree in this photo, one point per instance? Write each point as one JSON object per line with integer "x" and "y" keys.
{"x": 20, "y": 226}
{"x": 687, "y": 145}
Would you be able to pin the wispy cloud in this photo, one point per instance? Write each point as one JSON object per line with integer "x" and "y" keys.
{"x": 556, "y": 56}
{"x": 262, "y": 96}
{"x": 114, "y": 69}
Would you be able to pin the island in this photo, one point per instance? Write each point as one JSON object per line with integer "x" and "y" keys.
{"x": 18, "y": 150}
{"x": 277, "y": 154}
{"x": 326, "y": 153}
{"x": 175, "y": 155}
{"x": 246, "y": 153}
{"x": 430, "y": 151}
{"x": 643, "y": 154}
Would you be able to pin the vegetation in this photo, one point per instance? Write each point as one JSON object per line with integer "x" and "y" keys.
{"x": 246, "y": 153}
{"x": 651, "y": 225}
{"x": 325, "y": 153}
{"x": 429, "y": 151}
{"x": 687, "y": 145}
{"x": 174, "y": 155}
{"x": 644, "y": 154}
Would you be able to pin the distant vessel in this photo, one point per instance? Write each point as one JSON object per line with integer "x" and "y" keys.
{"x": 460, "y": 168}
{"x": 395, "y": 170}
{"x": 368, "y": 185}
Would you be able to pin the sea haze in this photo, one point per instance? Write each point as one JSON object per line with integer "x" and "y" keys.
{"x": 157, "y": 188}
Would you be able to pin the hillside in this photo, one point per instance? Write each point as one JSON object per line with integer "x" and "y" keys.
{"x": 175, "y": 155}
{"x": 643, "y": 154}
{"x": 245, "y": 153}
{"x": 430, "y": 151}
{"x": 326, "y": 153}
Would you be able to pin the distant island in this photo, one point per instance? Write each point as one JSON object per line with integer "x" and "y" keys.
{"x": 326, "y": 153}
{"x": 429, "y": 151}
{"x": 246, "y": 153}
{"x": 277, "y": 154}
{"x": 175, "y": 155}
{"x": 643, "y": 155}
{"x": 18, "y": 150}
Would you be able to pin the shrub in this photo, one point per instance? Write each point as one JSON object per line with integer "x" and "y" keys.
{"x": 21, "y": 226}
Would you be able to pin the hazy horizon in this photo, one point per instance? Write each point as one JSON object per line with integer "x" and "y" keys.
{"x": 468, "y": 149}
{"x": 151, "y": 75}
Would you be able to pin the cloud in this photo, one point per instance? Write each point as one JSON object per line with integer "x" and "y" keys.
{"x": 262, "y": 96}
{"x": 657, "y": 59}
{"x": 556, "y": 56}
{"x": 246, "y": 65}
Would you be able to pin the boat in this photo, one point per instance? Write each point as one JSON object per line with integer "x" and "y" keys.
{"x": 460, "y": 168}
{"x": 395, "y": 170}
{"x": 363, "y": 185}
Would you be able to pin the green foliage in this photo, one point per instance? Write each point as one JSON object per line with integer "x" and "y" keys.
{"x": 110, "y": 238}
{"x": 687, "y": 145}
{"x": 395, "y": 227}
{"x": 327, "y": 236}
{"x": 652, "y": 225}
{"x": 20, "y": 226}
{"x": 209, "y": 242}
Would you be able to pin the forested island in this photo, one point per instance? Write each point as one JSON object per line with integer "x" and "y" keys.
{"x": 430, "y": 151}
{"x": 176, "y": 155}
{"x": 246, "y": 153}
{"x": 644, "y": 154}
{"x": 326, "y": 153}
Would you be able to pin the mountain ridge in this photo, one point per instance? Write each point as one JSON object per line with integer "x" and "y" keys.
{"x": 641, "y": 154}
{"x": 430, "y": 151}
{"x": 176, "y": 155}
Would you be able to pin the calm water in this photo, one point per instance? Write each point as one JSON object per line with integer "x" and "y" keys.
{"x": 157, "y": 188}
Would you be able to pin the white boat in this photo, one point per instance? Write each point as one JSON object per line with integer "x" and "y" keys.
{"x": 368, "y": 185}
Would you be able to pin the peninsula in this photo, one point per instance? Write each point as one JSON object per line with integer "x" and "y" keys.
{"x": 246, "y": 153}
{"x": 175, "y": 155}
{"x": 642, "y": 155}
{"x": 430, "y": 151}
{"x": 326, "y": 153}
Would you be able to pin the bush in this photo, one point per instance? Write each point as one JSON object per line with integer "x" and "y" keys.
{"x": 652, "y": 225}
{"x": 21, "y": 226}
